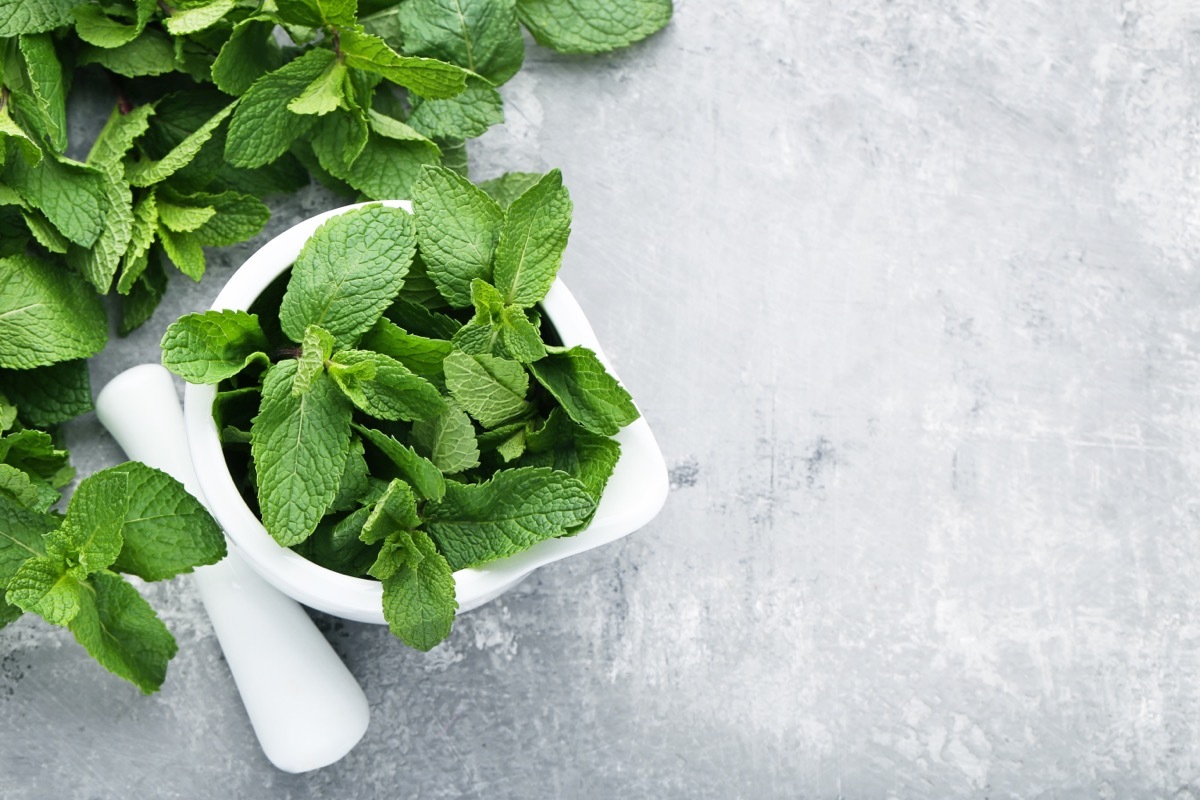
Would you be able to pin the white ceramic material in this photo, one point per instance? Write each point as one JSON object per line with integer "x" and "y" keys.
{"x": 635, "y": 494}
{"x": 306, "y": 708}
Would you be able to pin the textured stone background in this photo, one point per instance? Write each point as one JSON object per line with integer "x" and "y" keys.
{"x": 908, "y": 292}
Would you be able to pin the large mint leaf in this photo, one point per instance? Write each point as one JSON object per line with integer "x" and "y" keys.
{"x": 70, "y": 194}
{"x": 94, "y": 26}
{"x": 463, "y": 116}
{"x": 348, "y": 273}
{"x": 590, "y": 26}
{"x": 151, "y": 53}
{"x": 420, "y": 354}
{"x": 250, "y": 52}
{"x": 457, "y": 226}
{"x": 532, "y": 240}
{"x": 238, "y": 217}
{"x": 100, "y": 262}
{"x": 46, "y": 315}
{"x": 299, "y": 445}
{"x": 422, "y": 473}
{"x": 449, "y": 439}
{"x": 418, "y": 599}
{"x": 33, "y": 16}
{"x": 386, "y": 168}
{"x": 46, "y": 81}
{"x": 262, "y": 127}
{"x": 480, "y": 35}
{"x": 587, "y": 392}
{"x": 516, "y": 509}
{"x": 325, "y": 94}
{"x": 121, "y": 631}
{"x": 166, "y": 531}
{"x": 49, "y": 395}
{"x": 90, "y": 537}
{"x": 490, "y": 389}
{"x": 387, "y": 389}
{"x": 425, "y": 76}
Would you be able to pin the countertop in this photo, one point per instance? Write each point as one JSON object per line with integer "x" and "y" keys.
{"x": 908, "y": 293}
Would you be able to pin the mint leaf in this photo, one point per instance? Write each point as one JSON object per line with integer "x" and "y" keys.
{"x": 143, "y": 229}
{"x": 44, "y": 233}
{"x": 18, "y": 488}
{"x": 34, "y": 452}
{"x": 499, "y": 329}
{"x": 509, "y": 186}
{"x": 480, "y": 35}
{"x": 90, "y": 537}
{"x": 395, "y": 511}
{"x": 516, "y": 509}
{"x": 145, "y": 173}
{"x": 490, "y": 389}
{"x": 299, "y": 445}
{"x": 196, "y": 17}
{"x": 348, "y": 273}
{"x": 49, "y": 395}
{"x": 46, "y": 81}
{"x": 326, "y": 93}
{"x": 423, "y": 356}
{"x": 42, "y": 586}
{"x": 151, "y": 53}
{"x": 424, "y": 76}
{"x": 144, "y": 296}
{"x": 449, "y": 439}
{"x": 262, "y": 128}
{"x": 355, "y": 478}
{"x": 532, "y": 241}
{"x": 46, "y": 315}
{"x": 166, "y": 532}
{"x": 33, "y": 16}
{"x": 13, "y": 135}
{"x": 250, "y": 52}
{"x": 394, "y": 552}
{"x": 121, "y": 631}
{"x": 94, "y": 26}
{"x": 420, "y": 320}
{"x": 422, "y": 473}
{"x": 457, "y": 226}
{"x": 592, "y": 27}
{"x": 464, "y": 116}
{"x": 238, "y": 217}
{"x": 390, "y": 391}
{"x": 21, "y": 537}
{"x": 70, "y": 194}
{"x": 387, "y": 167}
{"x": 184, "y": 250}
{"x": 315, "y": 349}
{"x": 319, "y": 13}
{"x": 183, "y": 219}
{"x": 418, "y": 599}
{"x": 587, "y": 392}
{"x": 214, "y": 345}
{"x": 100, "y": 262}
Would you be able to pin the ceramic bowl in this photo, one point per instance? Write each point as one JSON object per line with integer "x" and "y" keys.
{"x": 635, "y": 494}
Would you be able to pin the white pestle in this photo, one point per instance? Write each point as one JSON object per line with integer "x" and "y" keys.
{"x": 306, "y": 708}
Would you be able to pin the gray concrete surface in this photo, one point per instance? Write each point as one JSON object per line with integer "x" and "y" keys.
{"x": 908, "y": 292}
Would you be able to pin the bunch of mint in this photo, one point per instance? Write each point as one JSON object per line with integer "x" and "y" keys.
{"x": 398, "y": 409}
{"x": 66, "y": 568}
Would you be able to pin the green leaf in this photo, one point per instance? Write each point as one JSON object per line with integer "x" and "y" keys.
{"x": 490, "y": 389}
{"x": 421, "y": 321}
{"x": 516, "y": 509}
{"x": 423, "y": 356}
{"x": 587, "y": 392}
{"x": 395, "y": 511}
{"x": 142, "y": 232}
{"x": 51, "y": 394}
{"x": 509, "y": 186}
{"x": 10, "y": 131}
{"x": 319, "y": 13}
{"x": 348, "y": 273}
{"x": 29, "y": 493}
{"x": 394, "y": 552}
{"x": 184, "y": 250}
{"x": 390, "y": 391}
{"x": 121, "y": 631}
{"x": 480, "y": 35}
{"x": 196, "y": 18}
{"x": 250, "y": 53}
{"x": 418, "y": 599}
{"x": 422, "y": 473}
{"x": 166, "y": 531}
{"x": 457, "y": 226}
{"x": 94, "y": 26}
{"x": 100, "y": 262}
{"x": 151, "y": 53}
{"x": 214, "y": 345}
{"x": 144, "y": 296}
{"x": 33, "y": 16}
{"x": 46, "y": 80}
{"x": 90, "y": 537}
{"x": 46, "y": 315}
{"x": 449, "y": 439}
{"x": 184, "y": 219}
{"x": 499, "y": 329}
{"x": 592, "y": 27}
{"x": 33, "y": 452}
{"x": 464, "y": 116}
{"x": 145, "y": 173}
{"x": 354, "y": 483}
{"x": 45, "y": 233}
{"x": 386, "y": 168}
{"x": 424, "y": 76}
{"x": 238, "y": 217}
{"x": 8, "y": 413}
{"x": 263, "y": 128}
{"x": 299, "y": 445}
{"x": 315, "y": 349}
{"x": 532, "y": 240}
{"x": 21, "y": 537}
{"x": 71, "y": 195}
{"x": 42, "y": 586}
{"x": 520, "y": 336}
{"x": 326, "y": 93}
